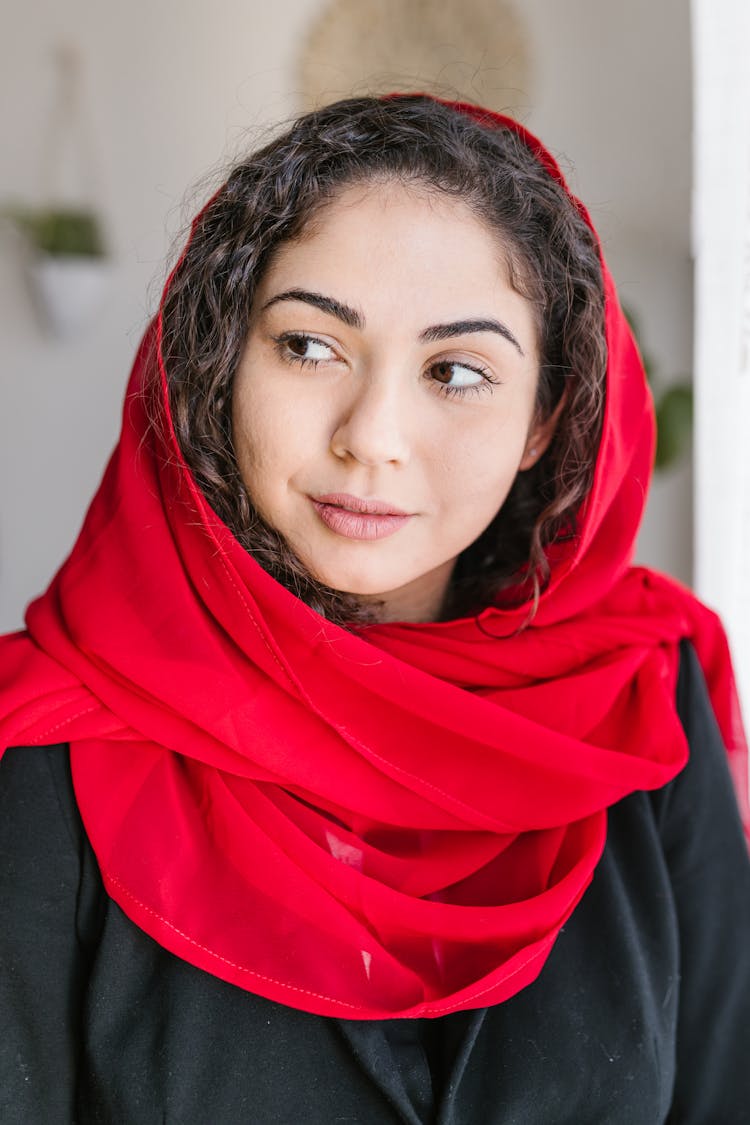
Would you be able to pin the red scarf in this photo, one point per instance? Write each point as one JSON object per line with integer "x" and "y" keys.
{"x": 395, "y": 821}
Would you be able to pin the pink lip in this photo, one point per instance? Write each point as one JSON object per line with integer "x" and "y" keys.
{"x": 355, "y": 518}
{"x": 355, "y": 504}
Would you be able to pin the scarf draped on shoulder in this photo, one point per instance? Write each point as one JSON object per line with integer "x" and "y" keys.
{"x": 392, "y": 821}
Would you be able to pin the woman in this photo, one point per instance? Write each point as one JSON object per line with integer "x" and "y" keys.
{"x": 369, "y": 780}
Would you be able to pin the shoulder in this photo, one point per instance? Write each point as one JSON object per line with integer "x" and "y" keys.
{"x": 46, "y": 861}
{"x": 36, "y": 788}
{"x": 697, "y": 812}
{"x": 692, "y": 698}
{"x": 51, "y": 908}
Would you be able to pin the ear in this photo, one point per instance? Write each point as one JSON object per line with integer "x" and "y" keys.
{"x": 541, "y": 434}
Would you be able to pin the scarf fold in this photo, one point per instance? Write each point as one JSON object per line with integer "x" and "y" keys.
{"x": 392, "y": 821}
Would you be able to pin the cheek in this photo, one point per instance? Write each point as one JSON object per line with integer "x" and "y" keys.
{"x": 474, "y": 472}
{"x": 260, "y": 420}
{"x": 477, "y": 465}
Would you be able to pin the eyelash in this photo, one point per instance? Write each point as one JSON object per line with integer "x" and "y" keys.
{"x": 282, "y": 348}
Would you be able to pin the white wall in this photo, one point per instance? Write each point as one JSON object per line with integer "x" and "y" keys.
{"x": 722, "y": 243}
{"x": 173, "y": 86}
{"x": 614, "y": 98}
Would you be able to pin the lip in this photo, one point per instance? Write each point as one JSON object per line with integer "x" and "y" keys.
{"x": 355, "y": 518}
{"x": 356, "y": 504}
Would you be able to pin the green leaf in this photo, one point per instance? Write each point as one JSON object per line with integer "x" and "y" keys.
{"x": 61, "y": 232}
{"x": 674, "y": 421}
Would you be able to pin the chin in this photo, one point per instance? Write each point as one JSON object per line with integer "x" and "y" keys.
{"x": 357, "y": 589}
{"x": 358, "y": 585}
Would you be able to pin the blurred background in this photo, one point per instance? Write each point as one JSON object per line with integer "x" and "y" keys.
{"x": 128, "y": 113}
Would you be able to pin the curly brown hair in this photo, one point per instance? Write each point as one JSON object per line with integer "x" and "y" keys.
{"x": 553, "y": 260}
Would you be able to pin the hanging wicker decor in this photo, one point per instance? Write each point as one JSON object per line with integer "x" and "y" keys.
{"x": 472, "y": 49}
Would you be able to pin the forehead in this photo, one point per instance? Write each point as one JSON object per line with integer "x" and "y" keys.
{"x": 397, "y": 234}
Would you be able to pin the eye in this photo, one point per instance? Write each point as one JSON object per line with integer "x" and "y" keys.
{"x": 298, "y": 347}
{"x": 459, "y": 378}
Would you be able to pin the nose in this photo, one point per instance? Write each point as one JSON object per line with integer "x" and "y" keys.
{"x": 372, "y": 425}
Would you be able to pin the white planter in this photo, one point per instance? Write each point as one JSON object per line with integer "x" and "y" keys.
{"x": 68, "y": 290}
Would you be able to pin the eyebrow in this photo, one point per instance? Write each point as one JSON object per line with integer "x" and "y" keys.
{"x": 354, "y": 319}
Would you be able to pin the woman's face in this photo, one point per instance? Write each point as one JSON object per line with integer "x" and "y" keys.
{"x": 385, "y": 397}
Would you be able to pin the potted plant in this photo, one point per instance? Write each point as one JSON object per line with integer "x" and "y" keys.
{"x": 674, "y": 409}
{"x": 68, "y": 264}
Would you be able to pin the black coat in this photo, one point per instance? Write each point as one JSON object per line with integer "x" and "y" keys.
{"x": 641, "y": 1014}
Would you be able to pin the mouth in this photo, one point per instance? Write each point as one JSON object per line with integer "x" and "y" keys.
{"x": 351, "y": 503}
{"x": 354, "y": 518}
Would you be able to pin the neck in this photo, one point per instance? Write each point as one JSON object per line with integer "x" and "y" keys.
{"x": 418, "y": 601}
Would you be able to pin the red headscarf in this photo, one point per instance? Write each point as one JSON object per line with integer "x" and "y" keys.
{"x": 390, "y": 822}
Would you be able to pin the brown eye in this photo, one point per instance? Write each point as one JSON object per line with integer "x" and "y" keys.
{"x": 458, "y": 376}
{"x": 443, "y": 372}
{"x": 297, "y": 344}
{"x": 297, "y": 347}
